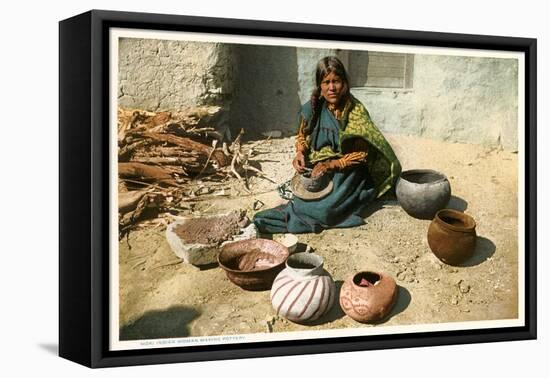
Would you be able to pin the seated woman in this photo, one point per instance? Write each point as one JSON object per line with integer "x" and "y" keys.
{"x": 336, "y": 137}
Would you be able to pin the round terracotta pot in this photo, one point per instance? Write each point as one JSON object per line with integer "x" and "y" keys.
{"x": 422, "y": 192}
{"x": 452, "y": 236}
{"x": 304, "y": 291}
{"x": 368, "y": 296}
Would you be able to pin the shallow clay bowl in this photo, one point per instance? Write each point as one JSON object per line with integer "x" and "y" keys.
{"x": 253, "y": 264}
{"x": 288, "y": 240}
{"x": 314, "y": 184}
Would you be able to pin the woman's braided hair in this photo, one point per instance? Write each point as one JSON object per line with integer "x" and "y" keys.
{"x": 325, "y": 66}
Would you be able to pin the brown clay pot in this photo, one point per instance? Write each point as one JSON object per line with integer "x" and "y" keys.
{"x": 368, "y": 296}
{"x": 452, "y": 236}
{"x": 253, "y": 264}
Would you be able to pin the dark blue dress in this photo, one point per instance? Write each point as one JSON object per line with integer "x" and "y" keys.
{"x": 352, "y": 192}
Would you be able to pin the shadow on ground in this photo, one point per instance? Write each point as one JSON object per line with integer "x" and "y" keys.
{"x": 300, "y": 247}
{"x": 376, "y": 206}
{"x": 208, "y": 266}
{"x": 403, "y": 300}
{"x": 484, "y": 249}
{"x": 457, "y": 203}
{"x": 50, "y": 348}
{"x": 172, "y": 322}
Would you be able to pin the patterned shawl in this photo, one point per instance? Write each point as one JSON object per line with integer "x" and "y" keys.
{"x": 356, "y": 122}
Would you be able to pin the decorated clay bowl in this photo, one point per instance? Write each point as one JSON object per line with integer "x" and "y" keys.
{"x": 253, "y": 264}
{"x": 368, "y": 296}
{"x": 304, "y": 291}
{"x": 423, "y": 192}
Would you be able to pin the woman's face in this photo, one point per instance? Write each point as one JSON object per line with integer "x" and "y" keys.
{"x": 331, "y": 88}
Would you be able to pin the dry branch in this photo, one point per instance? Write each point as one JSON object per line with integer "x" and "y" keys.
{"x": 128, "y": 201}
{"x": 144, "y": 172}
{"x": 163, "y": 151}
{"x": 166, "y": 160}
{"x": 190, "y": 145}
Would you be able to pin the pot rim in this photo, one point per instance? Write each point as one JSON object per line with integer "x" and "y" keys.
{"x": 463, "y": 217}
{"x": 318, "y": 265}
{"x": 379, "y": 274}
{"x": 236, "y": 271}
{"x": 421, "y": 170}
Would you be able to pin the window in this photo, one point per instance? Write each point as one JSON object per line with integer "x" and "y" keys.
{"x": 379, "y": 69}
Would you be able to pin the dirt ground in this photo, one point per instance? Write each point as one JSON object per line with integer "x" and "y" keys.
{"x": 160, "y": 296}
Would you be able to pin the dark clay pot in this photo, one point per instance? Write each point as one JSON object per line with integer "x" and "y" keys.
{"x": 452, "y": 236}
{"x": 422, "y": 192}
{"x": 368, "y": 296}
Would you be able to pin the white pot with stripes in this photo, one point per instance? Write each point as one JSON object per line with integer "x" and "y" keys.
{"x": 303, "y": 291}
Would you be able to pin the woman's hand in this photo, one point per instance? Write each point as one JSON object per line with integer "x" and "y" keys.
{"x": 326, "y": 166}
{"x": 299, "y": 162}
{"x": 320, "y": 169}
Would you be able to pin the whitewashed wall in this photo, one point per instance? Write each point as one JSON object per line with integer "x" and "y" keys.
{"x": 456, "y": 99}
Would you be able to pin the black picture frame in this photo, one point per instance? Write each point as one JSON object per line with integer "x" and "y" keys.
{"x": 84, "y": 190}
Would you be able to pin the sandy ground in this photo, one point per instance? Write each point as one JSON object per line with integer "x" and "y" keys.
{"x": 162, "y": 297}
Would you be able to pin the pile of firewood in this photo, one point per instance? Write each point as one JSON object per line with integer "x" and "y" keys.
{"x": 160, "y": 153}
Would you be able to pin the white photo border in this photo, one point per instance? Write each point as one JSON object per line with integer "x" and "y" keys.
{"x": 114, "y": 342}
